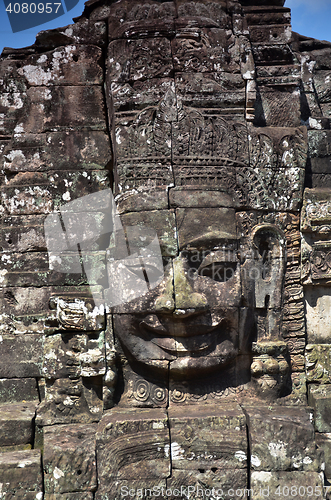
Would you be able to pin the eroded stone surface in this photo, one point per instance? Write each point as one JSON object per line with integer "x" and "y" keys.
{"x": 131, "y": 443}
{"x": 317, "y": 363}
{"x": 281, "y": 439}
{"x": 210, "y": 122}
{"x": 21, "y": 475}
{"x": 25, "y": 359}
{"x": 18, "y": 389}
{"x": 319, "y": 397}
{"x": 208, "y": 438}
{"x": 265, "y": 484}
{"x": 69, "y": 458}
{"x": 218, "y": 482}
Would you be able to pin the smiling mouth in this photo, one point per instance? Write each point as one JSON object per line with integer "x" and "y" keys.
{"x": 181, "y": 339}
{"x": 177, "y": 346}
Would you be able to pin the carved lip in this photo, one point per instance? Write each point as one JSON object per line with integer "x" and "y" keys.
{"x": 178, "y": 328}
{"x": 180, "y": 338}
{"x": 178, "y": 346}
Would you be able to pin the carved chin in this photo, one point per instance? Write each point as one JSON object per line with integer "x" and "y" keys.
{"x": 187, "y": 349}
{"x": 191, "y": 366}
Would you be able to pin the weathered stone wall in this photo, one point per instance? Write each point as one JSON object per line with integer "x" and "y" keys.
{"x": 210, "y": 122}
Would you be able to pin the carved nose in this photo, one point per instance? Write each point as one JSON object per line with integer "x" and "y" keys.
{"x": 165, "y": 302}
{"x": 187, "y": 302}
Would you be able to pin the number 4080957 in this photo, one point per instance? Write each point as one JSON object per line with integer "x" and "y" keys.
{"x": 302, "y": 491}
{"x": 33, "y": 8}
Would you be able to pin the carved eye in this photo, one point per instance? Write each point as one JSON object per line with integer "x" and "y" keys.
{"x": 218, "y": 265}
{"x": 218, "y": 271}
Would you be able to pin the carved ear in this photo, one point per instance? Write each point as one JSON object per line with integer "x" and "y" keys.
{"x": 268, "y": 243}
{"x": 269, "y": 237}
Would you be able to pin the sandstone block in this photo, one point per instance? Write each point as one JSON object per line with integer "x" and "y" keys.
{"x": 135, "y": 95}
{"x": 25, "y": 360}
{"x": 69, "y": 401}
{"x": 69, "y": 459}
{"x": 323, "y": 442}
{"x": 74, "y": 356}
{"x": 40, "y": 193}
{"x": 39, "y": 310}
{"x": 207, "y": 438}
{"x": 183, "y": 197}
{"x": 17, "y": 423}
{"x": 133, "y": 489}
{"x": 81, "y": 495}
{"x": 292, "y": 485}
{"x": 22, "y": 234}
{"x": 219, "y": 483}
{"x": 317, "y": 357}
{"x": 191, "y": 57}
{"x": 220, "y": 224}
{"x": 278, "y": 54}
{"x": 143, "y": 227}
{"x": 131, "y": 201}
{"x": 69, "y": 65}
{"x": 318, "y": 306}
{"x": 319, "y": 397}
{"x": 21, "y": 476}
{"x": 38, "y": 269}
{"x": 60, "y": 107}
{"x": 281, "y": 438}
{"x": 123, "y": 17}
{"x": 133, "y": 443}
{"x": 57, "y": 150}
{"x": 275, "y": 34}
{"x": 83, "y": 32}
{"x": 139, "y": 59}
{"x": 16, "y": 390}
{"x": 315, "y": 213}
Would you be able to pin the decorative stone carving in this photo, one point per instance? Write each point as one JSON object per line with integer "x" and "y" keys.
{"x": 78, "y": 315}
{"x": 318, "y": 363}
{"x": 316, "y": 212}
{"x": 270, "y": 368}
{"x": 146, "y": 443}
{"x": 71, "y": 401}
{"x": 195, "y": 446}
{"x": 73, "y": 356}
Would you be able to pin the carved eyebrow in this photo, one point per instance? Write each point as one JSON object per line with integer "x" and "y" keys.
{"x": 210, "y": 241}
{"x": 219, "y": 256}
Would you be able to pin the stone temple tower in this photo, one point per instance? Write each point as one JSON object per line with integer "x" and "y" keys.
{"x": 165, "y": 225}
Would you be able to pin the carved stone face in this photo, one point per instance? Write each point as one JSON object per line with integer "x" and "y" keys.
{"x": 199, "y": 319}
{"x": 188, "y": 161}
{"x": 189, "y": 323}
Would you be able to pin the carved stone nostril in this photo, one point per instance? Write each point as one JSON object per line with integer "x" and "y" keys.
{"x": 164, "y": 303}
{"x": 191, "y": 301}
